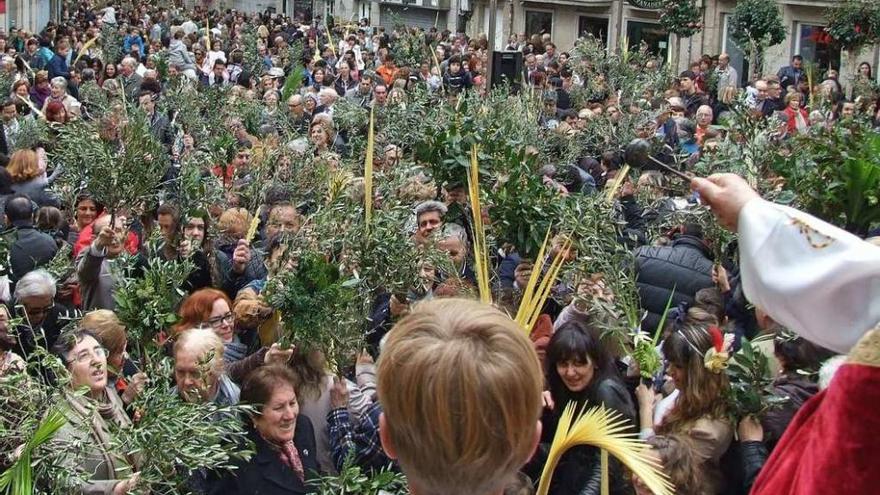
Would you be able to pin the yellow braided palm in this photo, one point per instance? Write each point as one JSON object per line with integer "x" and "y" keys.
{"x": 481, "y": 250}
{"x": 608, "y": 431}
{"x": 368, "y": 170}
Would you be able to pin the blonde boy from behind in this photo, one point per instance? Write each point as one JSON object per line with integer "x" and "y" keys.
{"x": 460, "y": 385}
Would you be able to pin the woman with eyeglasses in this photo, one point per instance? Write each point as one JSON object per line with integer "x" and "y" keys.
{"x": 92, "y": 418}
{"x": 123, "y": 374}
{"x": 212, "y": 309}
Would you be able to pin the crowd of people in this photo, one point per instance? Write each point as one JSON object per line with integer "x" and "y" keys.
{"x": 448, "y": 391}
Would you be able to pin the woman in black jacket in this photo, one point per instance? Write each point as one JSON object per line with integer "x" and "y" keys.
{"x": 800, "y": 361}
{"x": 580, "y": 370}
{"x": 284, "y": 462}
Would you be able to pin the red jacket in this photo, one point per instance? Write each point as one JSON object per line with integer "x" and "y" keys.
{"x": 792, "y": 120}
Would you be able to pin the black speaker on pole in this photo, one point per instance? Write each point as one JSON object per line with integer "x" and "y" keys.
{"x": 507, "y": 68}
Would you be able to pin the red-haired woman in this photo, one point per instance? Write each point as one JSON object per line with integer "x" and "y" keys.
{"x": 212, "y": 308}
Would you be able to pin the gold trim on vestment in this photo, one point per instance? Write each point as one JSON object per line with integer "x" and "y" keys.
{"x": 867, "y": 350}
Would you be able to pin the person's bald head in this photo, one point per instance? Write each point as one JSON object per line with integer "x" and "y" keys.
{"x": 761, "y": 86}
{"x": 295, "y": 105}
{"x": 704, "y": 115}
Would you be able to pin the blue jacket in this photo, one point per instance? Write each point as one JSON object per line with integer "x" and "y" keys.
{"x": 58, "y": 67}
{"x": 132, "y": 40}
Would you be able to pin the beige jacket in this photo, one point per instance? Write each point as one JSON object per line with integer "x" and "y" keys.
{"x": 91, "y": 435}
{"x": 711, "y": 439}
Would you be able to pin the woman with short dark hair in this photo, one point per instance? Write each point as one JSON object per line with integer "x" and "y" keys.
{"x": 284, "y": 441}
{"x": 581, "y": 370}
{"x": 92, "y": 417}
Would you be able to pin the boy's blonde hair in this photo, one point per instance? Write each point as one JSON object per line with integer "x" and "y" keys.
{"x": 460, "y": 386}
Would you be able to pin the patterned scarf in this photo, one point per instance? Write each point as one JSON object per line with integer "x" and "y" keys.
{"x": 290, "y": 458}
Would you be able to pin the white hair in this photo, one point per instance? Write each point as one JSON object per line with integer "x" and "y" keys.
{"x": 129, "y": 61}
{"x": 59, "y": 82}
{"x": 453, "y": 230}
{"x": 328, "y": 93}
{"x": 429, "y": 206}
{"x": 35, "y": 283}
{"x": 203, "y": 342}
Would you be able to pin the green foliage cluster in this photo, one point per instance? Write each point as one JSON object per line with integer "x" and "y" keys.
{"x": 61, "y": 265}
{"x": 29, "y": 419}
{"x": 495, "y": 124}
{"x": 215, "y": 438}
{"x": 387, "y": 258}
{"x": 6, "y": 80}
{"x": 31, "y": 132}
{"x": 193, "y": 195}
{"x": 148, "y": 303}
{"x": 320, "y": 308}
{"x": 834, "y": 173}
{"x": 19, "y": 478}
{"x": 353, "y": 480}
{"x": 854, "y": 23}
{"x": 755, "y": 26}
{"x": 750, "y": 391}
{"x": 250, "y": 47}
{"x": 119, "y": 161}
{"x": 111, "y": 44}
{"x": 93, "y": 97}
{"x": 682, "y": 17}
{"x": 410, "y": 47}
{"x": 605, "y": 72}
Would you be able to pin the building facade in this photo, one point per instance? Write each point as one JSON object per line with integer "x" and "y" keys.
{"x": 617, "y": 22}
{"x": 444, "y": 14}
{"x": 31, "y": 15}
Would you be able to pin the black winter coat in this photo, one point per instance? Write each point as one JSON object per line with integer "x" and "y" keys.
{"x": 754, "y": 455}
{"x": 685, "y": 267}
{"x": 29, "y": 249}
{"x": 579, "y": 469}
{"x": 265, "y": 474}
{"x": 798, "y": 389}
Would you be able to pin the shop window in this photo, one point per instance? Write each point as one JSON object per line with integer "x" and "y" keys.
{"x": 539, "y": 22}
{"x": 816, "y": 46}
{"x": 597, "y": 26}
{"x": 651, "y": 34}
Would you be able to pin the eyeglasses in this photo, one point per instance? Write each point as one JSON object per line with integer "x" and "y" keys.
{"x": 85, "y": 355}
{"x": 216, "y": 321}
{"x": 39, "y": 311}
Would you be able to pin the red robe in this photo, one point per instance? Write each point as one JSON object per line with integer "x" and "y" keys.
{"x": 833, "y": 443}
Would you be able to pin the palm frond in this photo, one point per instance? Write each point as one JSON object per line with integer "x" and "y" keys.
{"x": 368, "y": 170}
{"x": 618, "y": 181}
{"x": 19, "y": 478}
{"x": 547, "y": 283}
{"x": 252, "y": 229}
{"x": 607, "y": 430}
{"x": 84, "y": 49}
{"x": 481, "y": 255}
{"x": 525, "y": 305}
